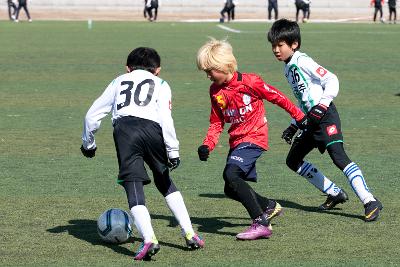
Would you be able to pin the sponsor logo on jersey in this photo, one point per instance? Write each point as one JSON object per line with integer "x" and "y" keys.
{"x": 331, "y": 130}
{"x": 220, "y": 101}
{"x": 321, "y": 71}
{"x": 237, "y": 158}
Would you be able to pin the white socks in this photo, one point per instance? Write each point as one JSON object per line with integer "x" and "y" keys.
{"x": 177, "y": 206}
{"x": 142, "y": 221}
{"x": 315, "y": 177}
{"x": 175, "y": 203}
{"x": 357, "y": 182}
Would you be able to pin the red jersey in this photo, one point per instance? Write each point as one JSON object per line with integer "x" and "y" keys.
{"x": 240, "y": 103}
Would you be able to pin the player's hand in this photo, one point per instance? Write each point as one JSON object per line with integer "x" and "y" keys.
{"x": 303, "y": 123}
{"x": 89, "y": 153}
{"x": 174, "y": 163}
{"x": 288, "y": 134}
{"x": 316, "y": 114}
{"x": 203, "y": 152}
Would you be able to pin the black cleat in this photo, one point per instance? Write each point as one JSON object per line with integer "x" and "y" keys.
{"x": 274, "y": 211}
{"x": 332, "y": 201}
{"x": 372, "y": 210}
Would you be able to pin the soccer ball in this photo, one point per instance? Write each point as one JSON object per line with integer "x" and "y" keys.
{"x": 114, "y": 226}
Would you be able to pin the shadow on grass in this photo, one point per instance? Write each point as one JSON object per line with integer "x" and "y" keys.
{"x": 212, "y": 225}
{"x": 398, "y": 94}
{"x": 293, "y": 205}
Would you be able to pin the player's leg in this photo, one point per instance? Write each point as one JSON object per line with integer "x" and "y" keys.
{"x": 128, "y": 139}
{"x": 302, "y": 145}
{"x": 240, "y": 166}
{"x": 269, "y": 11}
{"x": 176, "y": 204}
{"x": 356, "y": 179}
{"x": 240, "y": 190}
{"x": 276, "y": 10}
{"x": 27, "y": 12}
{"x": 156, "y": 158}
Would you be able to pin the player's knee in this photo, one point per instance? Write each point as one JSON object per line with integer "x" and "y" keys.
{"x": 293, "y": 164}
{"x": 338, "y": 155}
{"x": 232, "y": 174}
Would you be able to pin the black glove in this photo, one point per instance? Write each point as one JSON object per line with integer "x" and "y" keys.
{"x": 89, "y": 153}
{"x": 288, "y": 134}
{"x": 316, "y": 114}
{"x": 303, "y": 123}
{"x": 174, "y": 163}
{"x": 203, "y": 152}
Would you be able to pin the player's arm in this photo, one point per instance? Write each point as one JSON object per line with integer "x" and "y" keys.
{"x": 166, "y": 121}
{"x": 273, "y": 95}
{"x": 214, "y": 131}
{"x": 328, "y": 80}
{"x": 99, "y": 109}
{"x": 329, "y": 83}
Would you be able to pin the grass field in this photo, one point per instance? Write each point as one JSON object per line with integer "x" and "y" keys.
{"x": 51, "y": 196}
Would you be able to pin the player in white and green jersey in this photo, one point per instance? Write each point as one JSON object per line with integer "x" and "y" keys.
{"x": 315, "y": 87}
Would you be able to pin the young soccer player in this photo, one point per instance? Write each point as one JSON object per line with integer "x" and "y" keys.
{"x": 144, "y": 132}
{"x": 237, "y": 98}
{"x": 315, "y": 87}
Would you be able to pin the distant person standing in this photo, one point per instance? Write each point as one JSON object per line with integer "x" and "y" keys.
{"x": 229, "y": 9}
{"x": 22, "y": 4}
{"x": 272, "y": 5}
{"x": 392, "y": 10}
{"x": 378, "y": 7}
{"x": 304, "y": 6}
{"x": 150, "y": 6}
{"x": 12, "y": 9}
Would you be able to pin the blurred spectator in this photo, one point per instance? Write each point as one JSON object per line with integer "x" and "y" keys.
{"x": 229, "y": 9}
{"x": 272, "y": 5}
{"x": 378, "y": 7}
{"x": 304, "y": 6}
{"x": 12, "y": 9}
{"x": 392, "y": 10}
{"x": 23, "y": 4}
{"x": 150, "y": 6}
{"x": 145, "y": 9}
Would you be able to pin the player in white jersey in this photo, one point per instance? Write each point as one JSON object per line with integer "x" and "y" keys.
{"x": 315, "y": 87}
{"x": 144, "y": 132}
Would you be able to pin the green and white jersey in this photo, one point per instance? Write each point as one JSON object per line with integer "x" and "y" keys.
{"x": 311, "y": 84}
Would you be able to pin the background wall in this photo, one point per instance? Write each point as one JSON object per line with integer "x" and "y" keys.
{"x": 320, "y": 9}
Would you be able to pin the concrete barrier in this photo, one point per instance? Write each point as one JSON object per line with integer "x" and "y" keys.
{"x": 320, "y": 9}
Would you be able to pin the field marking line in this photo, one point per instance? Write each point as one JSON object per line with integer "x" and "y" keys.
{"x": 228, "y": 28}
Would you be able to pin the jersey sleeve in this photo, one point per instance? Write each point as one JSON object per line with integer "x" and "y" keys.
{"x": 329, "y": 82}
{"x": 216, "y": 126}
{"x": 166, "y": 121}
{"x": 273, "y": 95}
{"x": 99, "y": 109}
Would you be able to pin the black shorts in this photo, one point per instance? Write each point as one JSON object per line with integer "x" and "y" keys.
{"x": 329, "y": 131}
{"x": 138, "y": 141}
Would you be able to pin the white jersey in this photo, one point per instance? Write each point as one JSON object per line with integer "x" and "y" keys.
{"x": 311, "y": 83}
{"x": 139, "y": 94}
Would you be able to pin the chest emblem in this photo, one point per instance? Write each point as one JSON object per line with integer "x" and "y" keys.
{"x": 221, "y": 102}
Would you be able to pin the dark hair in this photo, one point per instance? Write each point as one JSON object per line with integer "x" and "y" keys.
{"x": 143, "y": 58}
{"x": 284, "y": 30}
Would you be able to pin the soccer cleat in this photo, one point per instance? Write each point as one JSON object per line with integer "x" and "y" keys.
{"x": 255, "y": 231}
{"x": 274, "y": 211}
{"x": 194, "y": 241}
{"x": 372, "y": 210}
{"x": 147, "y": 250}
{"x": 332, "y": 201}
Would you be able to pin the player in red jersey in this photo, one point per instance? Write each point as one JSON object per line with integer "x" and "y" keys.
{"x": 237, "y": 98}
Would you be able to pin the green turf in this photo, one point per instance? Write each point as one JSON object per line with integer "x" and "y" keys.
{"x": 51, "y": 72}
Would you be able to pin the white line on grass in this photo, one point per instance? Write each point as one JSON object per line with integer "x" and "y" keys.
{"x": 228, "y": 29}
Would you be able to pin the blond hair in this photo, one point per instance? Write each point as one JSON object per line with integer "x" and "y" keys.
{"x": 216, "y": 55}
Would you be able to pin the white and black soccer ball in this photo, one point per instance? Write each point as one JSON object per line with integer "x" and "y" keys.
{"x": 114, "y": 226}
